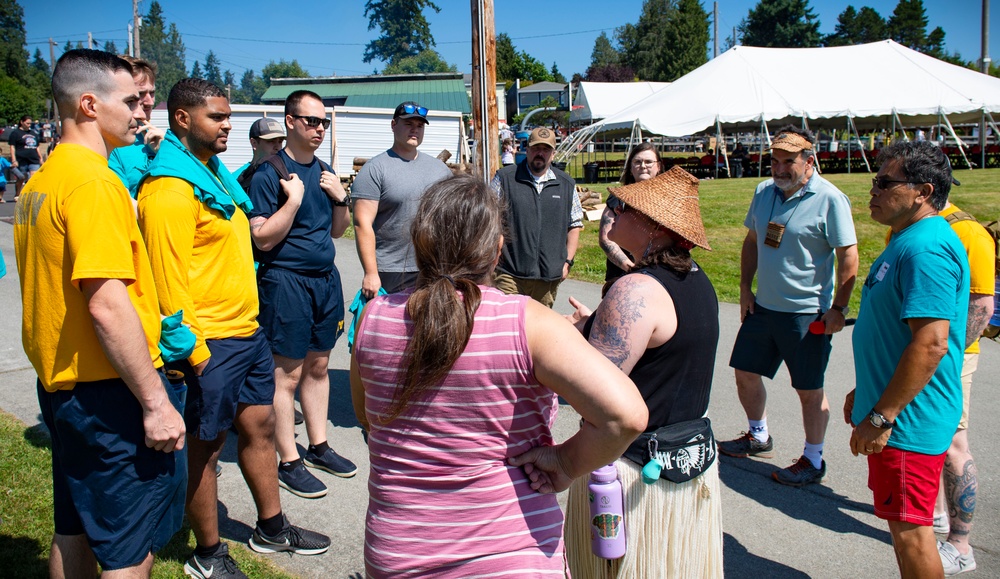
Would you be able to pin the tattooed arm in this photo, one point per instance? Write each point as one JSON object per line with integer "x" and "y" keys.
{"x": 980, "y": 312}
{"x": 615, "y": 254}
{"x": 637, "y": 314}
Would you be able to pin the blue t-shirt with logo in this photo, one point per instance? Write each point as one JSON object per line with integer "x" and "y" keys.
{"x": 922, "y": 273}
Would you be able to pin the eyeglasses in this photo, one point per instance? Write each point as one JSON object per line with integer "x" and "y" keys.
{"x": 313, "y": 122}
{"x": 643, "y": 163}
{"x": 410, "y": 108}
{"x": 883, "y": 183}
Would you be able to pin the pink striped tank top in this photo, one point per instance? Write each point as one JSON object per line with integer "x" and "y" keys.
{"x": 442, "y": 499}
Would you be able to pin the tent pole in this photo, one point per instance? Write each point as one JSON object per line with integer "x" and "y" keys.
{"x": 848, "y": 144}
{"x": 725, "y": 151}
{"x": 860, "y": 148}
{"x": 959, "y": 142}
{"x": 983, "y": 142}
{"x": 805, "y": 125}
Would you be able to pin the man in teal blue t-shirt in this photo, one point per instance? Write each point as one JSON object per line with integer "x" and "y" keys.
{"x": 908, "y": 349}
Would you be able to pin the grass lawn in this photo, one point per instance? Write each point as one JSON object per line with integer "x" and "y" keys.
{"x": 724, "y": 203}
{"x": 26, "y": 513}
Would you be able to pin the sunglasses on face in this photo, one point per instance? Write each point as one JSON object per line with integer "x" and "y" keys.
{"x": 409, "y": 109}
{"x": 883, "y": 182}
{"x": 313, "y": 122}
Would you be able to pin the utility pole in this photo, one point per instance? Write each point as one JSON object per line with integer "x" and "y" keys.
{"x": 52, "y": 64}
{"x": 484, "y": 94}
{"x": 715, "y": 29}
{"x": 90, "y": 40}
{"x": 984, "y": 67}
{"x": 136, "y": 23}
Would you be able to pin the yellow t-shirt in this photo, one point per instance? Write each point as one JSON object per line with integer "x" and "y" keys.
{"x": 982, "y": 255}
{"x": 75, "y": 221}
{"x": 202, "y": 262}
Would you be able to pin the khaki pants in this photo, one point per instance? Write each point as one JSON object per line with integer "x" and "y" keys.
{"x": 539, "y": 290}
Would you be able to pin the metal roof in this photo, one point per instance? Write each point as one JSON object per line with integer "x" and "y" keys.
{"x": 441, "y": 94}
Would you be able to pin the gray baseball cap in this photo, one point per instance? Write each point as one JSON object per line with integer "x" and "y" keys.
{"x": 266, "y": 129}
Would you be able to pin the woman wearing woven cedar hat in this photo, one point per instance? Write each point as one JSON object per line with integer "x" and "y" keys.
{"x": 660, "y": 325}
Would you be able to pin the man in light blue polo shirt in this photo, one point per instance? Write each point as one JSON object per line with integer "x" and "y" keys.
{"x": 800, "y": 231}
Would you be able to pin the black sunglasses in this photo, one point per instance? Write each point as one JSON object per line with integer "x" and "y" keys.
{"x": 412, "y": 108}
{"x": 313, "y": 122}
{"x": 883, "y": 182}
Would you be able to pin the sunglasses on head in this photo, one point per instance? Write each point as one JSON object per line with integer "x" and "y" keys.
{"x": 883, "y": 182}
{"x": 410, "y": 108}
{"x": 313, "y": 122}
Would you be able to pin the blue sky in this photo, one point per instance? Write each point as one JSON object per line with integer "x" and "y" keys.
{"x": 328, "y": 37}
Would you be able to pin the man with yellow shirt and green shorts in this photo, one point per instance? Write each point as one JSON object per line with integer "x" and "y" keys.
{"x": 193, "y": 217}
{"x": 91, "y": 326}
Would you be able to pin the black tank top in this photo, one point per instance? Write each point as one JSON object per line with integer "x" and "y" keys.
{"x": 675, "y": 379}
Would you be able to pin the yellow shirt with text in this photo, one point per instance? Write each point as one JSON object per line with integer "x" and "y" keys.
{"x": 202, "y": 262}
{"x": 74, "y": 220}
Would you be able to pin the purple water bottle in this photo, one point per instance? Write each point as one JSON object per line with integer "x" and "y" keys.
{"x": 607, "y": 513}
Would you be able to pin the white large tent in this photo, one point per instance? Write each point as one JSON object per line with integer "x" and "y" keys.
{"x": 598, "y": 100}
{"x": 867, "y": 85}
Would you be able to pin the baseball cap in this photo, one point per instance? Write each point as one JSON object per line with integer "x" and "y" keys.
{"x": 266, "y": 129}
{"x": 542, "y": 136}
{"x": 791, "y": 142}
{"x": 410, "y": 110}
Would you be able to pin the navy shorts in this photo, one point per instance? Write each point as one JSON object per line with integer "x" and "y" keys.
{"x": 127, "y": 498}
{"x": 768, "y": 338}
{"x": 300, "y": 313}
{"x": 240, "y": 371}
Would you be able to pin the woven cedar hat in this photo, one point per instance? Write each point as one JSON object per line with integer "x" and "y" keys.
{"x": 670, "y": 199}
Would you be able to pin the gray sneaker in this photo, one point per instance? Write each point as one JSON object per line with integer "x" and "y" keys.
{"x": 953, "y": 561}
{"x": 801, "y": 473}
{"x": 746, "y": 445}
{"x": 218, "y": 566}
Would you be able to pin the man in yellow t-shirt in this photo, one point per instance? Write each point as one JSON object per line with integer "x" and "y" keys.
{"x": 957, "y": 495}
{"x": 192, "y": 213}
{"x": 90, "y": 326}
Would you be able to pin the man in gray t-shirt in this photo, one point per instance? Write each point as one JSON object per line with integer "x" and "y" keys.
{"x": 386, "y": 194}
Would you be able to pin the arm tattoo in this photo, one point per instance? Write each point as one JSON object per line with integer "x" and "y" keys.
{"x": 256, "y": 223}
{"x": 977, "y": 321}
{"x": 611, "y": 249}
{"x": 613, "y": 326}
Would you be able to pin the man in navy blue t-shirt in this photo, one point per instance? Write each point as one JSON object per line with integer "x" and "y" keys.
{"x": 301, "y": 299}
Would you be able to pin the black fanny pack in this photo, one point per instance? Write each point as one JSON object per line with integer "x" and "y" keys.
{"x": 684, "y": 450}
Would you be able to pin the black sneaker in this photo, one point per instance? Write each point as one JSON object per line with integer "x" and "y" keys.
{"x": 801, "y": 473}
{"x": 299, "y": 481}
{"x": 746, "y": 445}
{"x": 331, "y": 462}
{"x": 214, "y": 567}
{"x": 291, "y": 539}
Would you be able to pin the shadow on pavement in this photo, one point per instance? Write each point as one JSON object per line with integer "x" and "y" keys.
{"x": 816, "y": 504}
{"x": 738, "y": 562}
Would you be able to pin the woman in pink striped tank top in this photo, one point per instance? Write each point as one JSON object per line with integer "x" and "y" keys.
{"x": 457, "y": 386}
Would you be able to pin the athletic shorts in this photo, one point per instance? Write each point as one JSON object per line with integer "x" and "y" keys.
{"x": 240, "y": 371}
{"x": 767, "y": 338}
{"x": 127, "y": 498}
{"x": 969, "y": 365}
{"x": 300, "y": 313}
{"x": 904, "y": 484}
{"x": 397, "y": 281}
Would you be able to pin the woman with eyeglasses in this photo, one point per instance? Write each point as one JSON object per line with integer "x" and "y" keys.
{"x": 457, "y": 386}
{"x": 643, "y": 163}
{"x": 659, "y": 323}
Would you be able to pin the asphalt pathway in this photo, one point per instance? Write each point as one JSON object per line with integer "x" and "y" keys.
{"x": 825, "y": 530}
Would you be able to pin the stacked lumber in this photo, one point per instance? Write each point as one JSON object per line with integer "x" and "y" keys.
{"x": 591, "y": 202}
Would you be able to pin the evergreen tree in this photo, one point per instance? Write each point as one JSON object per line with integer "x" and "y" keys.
{"x": 68, "y": 46}
{"x": 781, "y": 24}
{"x": 668, "y": 41}
{"x": 604, "y": 53}
{"x": 196, "y": 70}
{"x": 109, "y": 46}
{"x": 213, "y": 72}
{"x": 252, "y": 87}
{"x": 506, "y": 58}
{"x": 13, "y": 54}
{"x": 686, "y": 38}
{"x": 556, "y": 75}
{"x": 857, "y": 27}
{"x": 162, "y": 45}
{"x": 426, "y": 61}
{"x": 405, "y": 31}
{"x": 282, "y": 69}
{"x": 908, "y": 24}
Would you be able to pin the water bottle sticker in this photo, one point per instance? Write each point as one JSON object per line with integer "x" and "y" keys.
{"x": 607, "y": 525}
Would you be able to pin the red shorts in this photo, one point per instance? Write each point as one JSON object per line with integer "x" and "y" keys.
{"x": 904, "y": 484}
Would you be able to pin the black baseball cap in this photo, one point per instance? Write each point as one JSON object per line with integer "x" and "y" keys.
{"x": 410, "y": 110}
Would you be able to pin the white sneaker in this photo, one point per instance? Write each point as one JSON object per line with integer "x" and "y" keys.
{"x": 941, "y": 524}
{"x": 955, "y": 562}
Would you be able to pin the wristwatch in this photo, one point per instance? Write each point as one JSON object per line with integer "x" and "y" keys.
{"x": 842, "y": 309}
{"x": 879, "y": 421}
{"x": 570, "y": 262}
{"x": 347, "y": 201}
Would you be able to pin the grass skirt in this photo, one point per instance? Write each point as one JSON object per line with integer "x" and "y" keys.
{"x": 673, "y": 530}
